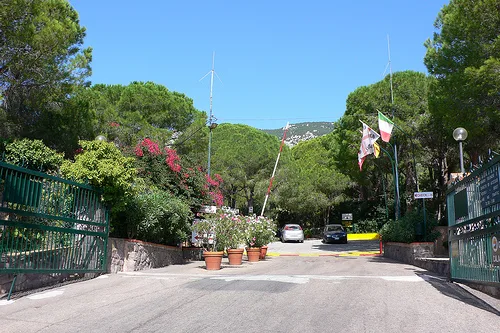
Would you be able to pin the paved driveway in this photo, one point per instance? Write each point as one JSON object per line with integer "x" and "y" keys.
{"x": 280, "y": 294}
{"x": 314, "y": 247}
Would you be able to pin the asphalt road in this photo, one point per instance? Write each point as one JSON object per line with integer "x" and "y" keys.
{"x": 316, "y": 247}
{"x": 280, "y": 294}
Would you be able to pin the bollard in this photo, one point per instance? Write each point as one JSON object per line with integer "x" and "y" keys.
{"x": 380, "y": 238}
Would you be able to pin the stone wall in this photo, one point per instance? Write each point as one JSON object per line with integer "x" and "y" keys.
{"x": 127, "y": 255}
{"x": 408, "y": 253}
{"x": 418, "y": 254}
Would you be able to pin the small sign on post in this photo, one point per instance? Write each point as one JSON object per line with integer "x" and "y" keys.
{"x": 347, "y": 217}
{"x": 423, "y": 195}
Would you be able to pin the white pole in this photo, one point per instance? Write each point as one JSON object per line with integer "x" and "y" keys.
{"x": 395, "y": 145}
{"x": 274, "y": 170}
{"x": 210, "y": 117}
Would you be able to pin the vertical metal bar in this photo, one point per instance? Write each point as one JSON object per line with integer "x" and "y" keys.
{"x": 12, "y": 287}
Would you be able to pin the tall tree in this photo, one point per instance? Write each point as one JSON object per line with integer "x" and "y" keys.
{"x": 244, "y": 157}
{"x": 127, "y": 114}
{"x": 464, "y": 57}
{"x": 42, "y": 60}
{"x": 410, "y": 109}
{"x": 311, "y": 186}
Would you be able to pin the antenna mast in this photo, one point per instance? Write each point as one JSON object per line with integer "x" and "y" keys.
{"x": 398, "y": 204}
{"x": 211, "y": 124}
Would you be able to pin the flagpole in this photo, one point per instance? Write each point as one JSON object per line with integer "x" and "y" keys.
{"x": 274, "y": 170}
{"x": 393, "y": 173}
{"x": 398, "y": 204}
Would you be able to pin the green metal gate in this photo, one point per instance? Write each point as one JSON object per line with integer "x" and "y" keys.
{"x": 49, "y": 224}
{"x": 474, "y": 226}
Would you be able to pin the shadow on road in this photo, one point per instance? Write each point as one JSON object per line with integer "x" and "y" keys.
{"x": 351, "y": 246}
{"x": 445, "y": 287}
{"x": 455, "y": 291}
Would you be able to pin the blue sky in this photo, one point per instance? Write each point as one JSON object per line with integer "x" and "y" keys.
{"x": 279, "y": 61}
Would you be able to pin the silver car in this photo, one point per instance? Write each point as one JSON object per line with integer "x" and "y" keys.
{"x": 292, "y": 232}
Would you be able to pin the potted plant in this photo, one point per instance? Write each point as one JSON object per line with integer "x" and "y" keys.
{"x": 260, "y": 231}
{"x": 216, "y": 233}
{"x": 212, "y": 251}
{"x": 231, "y": 227}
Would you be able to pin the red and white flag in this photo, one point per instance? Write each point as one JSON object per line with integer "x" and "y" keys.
{"x": 367, "y": 142}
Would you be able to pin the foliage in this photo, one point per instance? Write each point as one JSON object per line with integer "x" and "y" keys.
{"x": 408, "y": 229}
{"x": 221, "y": 231}
{"x": 464, "y": 57}
{"x": 165, "y": 169}
{"x": 126, "y": 114}
{"x": 33, "y": 154}
{"x": 102, "y": 165}
{"x": 243, "y": 156}
{"x": 42, "y": 61}
{"x": 417, "y": 150}
{"x": 260, "y": 230}
{"x": 368, "y": 226}
{"x": 163, "y": 218}
{"x": 218, "y": 232}
{"x": 313, "y": 184}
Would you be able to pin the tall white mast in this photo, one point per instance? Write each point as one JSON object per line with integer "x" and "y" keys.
{"x": 398, "y": 204}
{"x": 211, "y": 124}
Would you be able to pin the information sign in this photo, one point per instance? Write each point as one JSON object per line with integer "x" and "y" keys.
{"x": 423, "y": 195}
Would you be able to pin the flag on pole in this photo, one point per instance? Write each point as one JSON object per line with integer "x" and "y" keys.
{"x": 367, "y": 141}
{"x": 376, "y": 149}
{"x": 360, "y": 162}
{"x": 385, "y": 126}
{"x": 367, "y": 144}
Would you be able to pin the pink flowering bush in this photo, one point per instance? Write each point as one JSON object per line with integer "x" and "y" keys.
{"x": 165, "y": 169}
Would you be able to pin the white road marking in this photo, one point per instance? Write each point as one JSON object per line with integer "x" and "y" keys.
{"x": 102, "y": 277}
{"x": 276, "y": 278}
{"x": 48, "y": 294}
{"x": 297, "y": 279}
{"x": 6, "y": 302}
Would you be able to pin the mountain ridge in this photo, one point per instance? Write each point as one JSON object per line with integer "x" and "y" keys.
{"x": 302, "y": 132}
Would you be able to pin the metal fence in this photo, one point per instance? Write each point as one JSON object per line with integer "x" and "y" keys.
{"x": 49, "y": 224}
{"x": 474, "y": 226}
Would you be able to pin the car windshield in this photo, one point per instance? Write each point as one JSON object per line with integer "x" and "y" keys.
{"x": 292, "y": 227}
{"x": 334, "y": 228}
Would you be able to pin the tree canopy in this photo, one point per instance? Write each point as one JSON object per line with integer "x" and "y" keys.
{"x": 464, "y": 57}
{"x": 42, "y": 62}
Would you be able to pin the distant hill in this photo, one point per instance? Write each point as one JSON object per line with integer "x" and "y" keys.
{"x": 302, "y": 132}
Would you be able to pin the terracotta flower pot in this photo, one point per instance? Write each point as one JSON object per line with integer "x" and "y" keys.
{"x": 263, "y": 252}
{"x": 253, "y": 254}
{"x": 235, "y": 256}
{"x": 213, "y": 259}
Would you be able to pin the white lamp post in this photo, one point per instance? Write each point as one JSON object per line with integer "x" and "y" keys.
{"x": 460, "y": 134}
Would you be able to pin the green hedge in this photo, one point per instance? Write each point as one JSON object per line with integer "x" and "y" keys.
{"x": 409, "y": 229}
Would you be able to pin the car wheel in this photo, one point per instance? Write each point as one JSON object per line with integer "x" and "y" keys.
{"x": 302, "y": 241}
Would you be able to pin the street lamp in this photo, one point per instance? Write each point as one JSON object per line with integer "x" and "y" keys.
{"x": 101, "y": 138}
{"x": 460, "y": 134}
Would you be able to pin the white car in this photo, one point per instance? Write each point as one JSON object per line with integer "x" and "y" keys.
{"x": 292, "y": 232}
